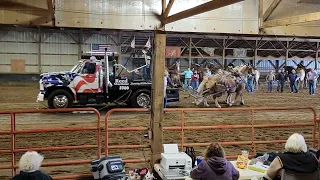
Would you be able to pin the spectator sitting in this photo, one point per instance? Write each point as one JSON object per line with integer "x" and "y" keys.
{"x": 29, "y": 166}
{"x": 215, "y": 166}
{"x": 296, "y": 159}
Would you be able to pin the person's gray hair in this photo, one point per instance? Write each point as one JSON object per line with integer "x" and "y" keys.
{"x": 30, "y": 161}
{"x": 296, "y": 143}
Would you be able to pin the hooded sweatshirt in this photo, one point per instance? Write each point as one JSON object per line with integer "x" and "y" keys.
{"x": 215, "y": 168}
{"x": 36, "y": 175}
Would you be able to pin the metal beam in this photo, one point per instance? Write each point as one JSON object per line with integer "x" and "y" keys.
{"x": 270, "y": 9}
{"x": 211, "y": 5}
{"x": 168, "y": 9}
{"x": 292, "y": 20}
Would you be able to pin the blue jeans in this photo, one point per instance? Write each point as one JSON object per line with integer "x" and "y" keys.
{"x": 293, "y": 86}
{"x": 145, "y": 75}
{"x": 270, "y": 86}
{"x": 165, "y": 101}
{"x": 280, "y": 86}
{"x": 311, "y": 86}
{"x": 195, "y": 85}
{"x": 187, "y": 82}
{"x": 250, "y": 86}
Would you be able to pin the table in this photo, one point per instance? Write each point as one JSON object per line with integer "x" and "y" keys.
{"x": 245, "y": 174}
{"x": 169, "y": 175}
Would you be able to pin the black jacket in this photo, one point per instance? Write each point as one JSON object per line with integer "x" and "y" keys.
{"x": 299, "y": 162}
{"x": 36, "y": 175}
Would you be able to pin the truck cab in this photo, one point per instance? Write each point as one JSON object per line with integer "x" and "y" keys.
{"x": 93, "y": 82}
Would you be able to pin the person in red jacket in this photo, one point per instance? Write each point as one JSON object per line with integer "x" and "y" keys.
{"x": 195, "y": 81}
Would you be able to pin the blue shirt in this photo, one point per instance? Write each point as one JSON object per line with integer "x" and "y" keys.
{"x": 187, "y": 74}
{"x": 292, "y": 77}
{"x": 207, "y": 74}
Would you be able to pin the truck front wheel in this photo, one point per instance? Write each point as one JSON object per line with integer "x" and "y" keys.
{"x": 60, "y": 98}
{"x": 141, "y": 99}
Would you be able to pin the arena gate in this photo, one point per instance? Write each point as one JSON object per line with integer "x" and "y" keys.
{"x": 182, "y": 128}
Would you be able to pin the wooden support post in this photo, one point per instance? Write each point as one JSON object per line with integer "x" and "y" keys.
{"x": 39, "y": 51}
{"x": 260, "y": 11}
{"x": 190, "y": 52}
{"x": 51, "y": 11}
{"x": 157, "y": 97}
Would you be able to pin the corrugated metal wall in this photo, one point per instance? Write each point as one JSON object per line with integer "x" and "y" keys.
{"x": 58, "y": 52}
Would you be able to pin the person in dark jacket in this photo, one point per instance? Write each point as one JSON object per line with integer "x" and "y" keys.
{"x": 29, "y": 166}
{"x": 215, "y": 166}
{"x": 281, "y": 78}
{"x": 296, "y": 159}
{"x": 293, "y": 78}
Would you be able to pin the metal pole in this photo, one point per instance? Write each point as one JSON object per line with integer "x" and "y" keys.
{"x": 106, "y": 75}
{"x": 39, "y": 51}
{"x": 317, "y": 56}
{"x": 190, "y": 51}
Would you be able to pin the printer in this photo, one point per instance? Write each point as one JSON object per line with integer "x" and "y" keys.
{"x": 173, "y": 159}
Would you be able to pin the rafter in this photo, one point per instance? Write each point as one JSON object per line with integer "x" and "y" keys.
{"x": 292, "y": 20}
{"x": 168, "y": 9}
{"x": 211, "y": 5}
{"x": 51, "y": 11}
{"x": 270, "y": 9}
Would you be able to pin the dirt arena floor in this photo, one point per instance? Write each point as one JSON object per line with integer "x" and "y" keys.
{"x": 19, "y": 96}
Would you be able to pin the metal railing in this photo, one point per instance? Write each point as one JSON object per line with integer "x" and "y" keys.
{"x": 14, "y": 131}
{"x": 182, "y": 127}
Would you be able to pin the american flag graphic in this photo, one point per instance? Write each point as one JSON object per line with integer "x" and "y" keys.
{"x": 98, "y": 49}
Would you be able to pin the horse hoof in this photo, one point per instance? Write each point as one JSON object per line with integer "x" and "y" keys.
{"x": 241, "y": 103}
{"x": 218, "y": 106}
{"x": 230, "y": 105}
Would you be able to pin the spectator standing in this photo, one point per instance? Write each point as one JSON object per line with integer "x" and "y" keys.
{"x": 270, "y": 78}
{"x": 195, "y": 81}
{"x": 312, "y": 77}
{"x": 293, "y": 78}
{"x": 250, "y": 79}
{"x": 187, "y": 78}
{"x": 281, "y": 78}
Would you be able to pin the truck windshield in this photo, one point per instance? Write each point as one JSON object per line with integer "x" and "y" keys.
{"x": 76, "y": 67}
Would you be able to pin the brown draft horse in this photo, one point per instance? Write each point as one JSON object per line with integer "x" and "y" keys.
{"x": 174, "y": 71}
{"x": 223, "y": 82}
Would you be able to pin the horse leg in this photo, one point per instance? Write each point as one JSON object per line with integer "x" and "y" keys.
{"x": 229, "y": 100}
{"x": 241, "y": 99}
{"x": 205, "y": 102}
{"x": 216, "y": 102}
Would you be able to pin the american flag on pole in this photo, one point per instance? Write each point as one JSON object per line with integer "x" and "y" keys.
{"x": 98, "y": 49}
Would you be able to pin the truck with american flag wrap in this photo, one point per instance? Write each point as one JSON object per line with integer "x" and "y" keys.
{"x": 96, "y": 82}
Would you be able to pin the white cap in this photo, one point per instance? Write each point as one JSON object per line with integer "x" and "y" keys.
{"x": 93, "y": 58}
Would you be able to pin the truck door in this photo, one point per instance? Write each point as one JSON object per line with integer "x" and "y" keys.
{"x": 88, "y": 81}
